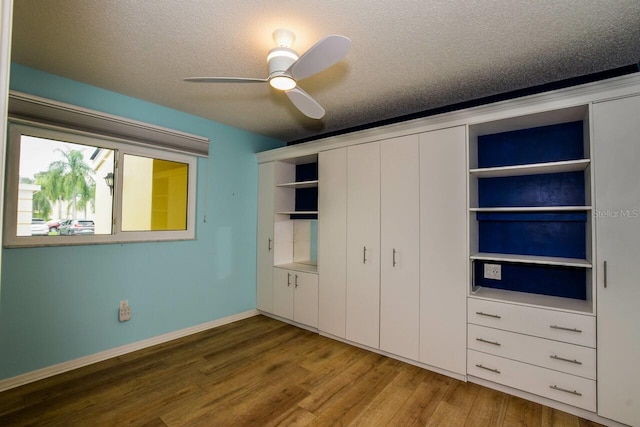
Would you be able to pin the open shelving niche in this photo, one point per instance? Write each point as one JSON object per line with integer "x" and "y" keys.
{"x": 530, "y": 193}
{"x": 296, "y": 213}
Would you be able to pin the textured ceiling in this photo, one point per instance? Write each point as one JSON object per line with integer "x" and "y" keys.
{"x": 406, "y": 56}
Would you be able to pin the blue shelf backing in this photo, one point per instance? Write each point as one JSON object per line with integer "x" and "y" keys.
{"x": 551, "y": 234}
{"x": 307, "y": 172}
{"x": 535, "y": 145}
{"x": 542, "y": 234}
{"x": 306, "y": 198}
{"x": 556, "y": 189}
{"x": 567, "y": 282}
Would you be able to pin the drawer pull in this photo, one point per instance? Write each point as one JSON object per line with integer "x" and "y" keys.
{"x": 562, "y": 328}
{"x": 577, "y": 362}
{"x": 488, "y": 369}
{"x": 488, "y": 342}
{"x": 574, "y": 392}
{"x": 495, "y": 316}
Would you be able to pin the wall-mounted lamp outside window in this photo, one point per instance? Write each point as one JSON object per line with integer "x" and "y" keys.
{"x": 109, "y": 180}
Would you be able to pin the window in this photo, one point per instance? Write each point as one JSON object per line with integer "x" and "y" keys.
{"x": 67, "y": 187}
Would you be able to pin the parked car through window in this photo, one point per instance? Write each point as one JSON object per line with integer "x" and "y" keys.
{"x": 39, "y": 227}
{"x": 72, "y": 227}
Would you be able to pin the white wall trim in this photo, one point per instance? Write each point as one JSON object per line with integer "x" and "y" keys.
{"x": 50, "y": 371}
{"x": 6, "y": 19}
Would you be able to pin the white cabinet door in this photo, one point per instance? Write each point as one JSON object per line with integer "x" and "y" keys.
{"x": 305, "y": 300}
{"x": 616, "y": 129}
{"x": 295, "y": 296}
{"x": 363, "y": 244}
{"x": 332, "y": 241}
{"x": 283, "y": 286}
{"x": 443, "y": 249}
{"x": 264, "y": 268}
{"x": 400, "y": 246}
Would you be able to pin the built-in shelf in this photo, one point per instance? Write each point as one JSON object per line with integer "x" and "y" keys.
{"x": 301, "y": 184}
{"x": 536, "y": 300}
{"x": 300, "y": 266}
{"x": 531, "y": 169}
{"x": 532, "y": 259}
{"x": 534, "y": 209}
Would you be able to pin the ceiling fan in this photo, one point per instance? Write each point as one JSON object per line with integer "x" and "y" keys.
{"x": 286, "y": 67}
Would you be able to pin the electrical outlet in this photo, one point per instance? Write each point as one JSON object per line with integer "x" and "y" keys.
{"x": 493, "y": 271}
{"x": 124, "y": 313}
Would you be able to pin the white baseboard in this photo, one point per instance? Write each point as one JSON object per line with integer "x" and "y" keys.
{"x": 582, "y": 413}
{"x": 454, "y": 375}
{"x": 50, "y": 371}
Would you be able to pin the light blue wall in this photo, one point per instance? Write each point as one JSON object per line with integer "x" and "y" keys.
{"x": 60, "y": 303}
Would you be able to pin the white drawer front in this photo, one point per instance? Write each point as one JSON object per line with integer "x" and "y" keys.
{"x": 569, "y": 358}
{"x": 565, "y": 388}
{"x": 556, "y": 325}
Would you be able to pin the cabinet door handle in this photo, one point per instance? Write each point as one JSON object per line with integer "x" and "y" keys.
{"x": 296, "y": 280}
{"x": 562, "y": 328}
{"x": 488, "y": 342}
{"x": 553, "y": 356}
{"x": 364, "y": 254}
{"x": 288, "y": 279}
{"x": 574, "y": 392}
{"x": 604, "y": 271}
{"x": 487, "y": 369}
{"x": 495, "y": 316}
{"x": 394, "y": 257}
{"x": 269, "y": 245}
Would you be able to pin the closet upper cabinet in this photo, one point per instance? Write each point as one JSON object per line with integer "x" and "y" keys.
{"x": 363, "y": 244}
{"x": 616, "y": 128}
{"x": 400, "y": 246}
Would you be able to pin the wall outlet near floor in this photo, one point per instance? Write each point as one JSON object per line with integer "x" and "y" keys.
{"x": 493, "y": 271}
{"x": 124, "y": 313}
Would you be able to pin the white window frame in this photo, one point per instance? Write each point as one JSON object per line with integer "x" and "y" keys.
{"x": 120, "y": 147}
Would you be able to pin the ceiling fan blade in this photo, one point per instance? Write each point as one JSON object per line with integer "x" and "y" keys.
{"x": 305, "y": 103}
{"x": 320, "y": 56}
{"x": 224, "y": 80}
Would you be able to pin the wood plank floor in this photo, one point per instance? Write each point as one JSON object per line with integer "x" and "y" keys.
{"x": 262, "y": 372}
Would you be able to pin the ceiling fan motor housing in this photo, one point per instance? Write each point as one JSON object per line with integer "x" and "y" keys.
{"x": 280, "y": 59}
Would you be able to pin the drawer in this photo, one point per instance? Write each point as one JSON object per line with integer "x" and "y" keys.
{"x": 551, "y": 324}
{"x": 570, "y": 358}
{"x": 565, "y": 388}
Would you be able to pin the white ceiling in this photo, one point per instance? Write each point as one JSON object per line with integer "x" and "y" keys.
{"x": 406, "y": 56}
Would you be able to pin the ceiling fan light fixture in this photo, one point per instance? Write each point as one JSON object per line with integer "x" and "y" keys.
{"x": 282, "y": 82}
